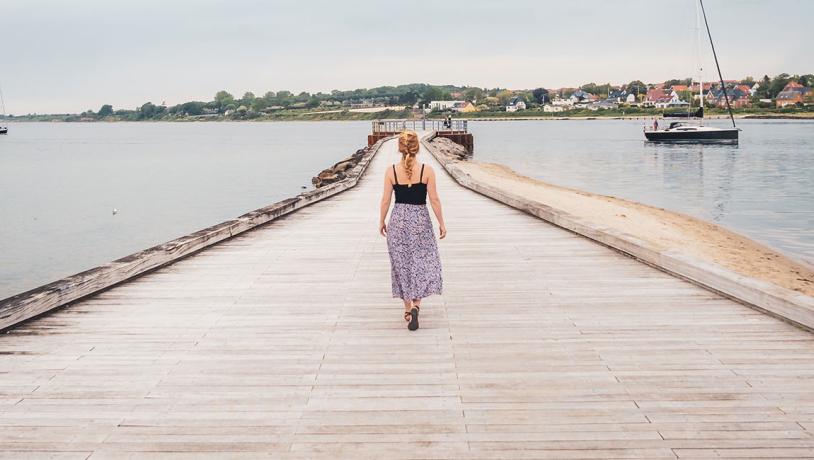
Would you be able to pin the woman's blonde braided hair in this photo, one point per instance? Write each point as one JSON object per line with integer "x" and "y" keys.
{"x": 408, "y": 146}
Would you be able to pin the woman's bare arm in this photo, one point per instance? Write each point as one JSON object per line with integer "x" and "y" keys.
{"x": 387, "y": 194}
{"x": 435, "y": 201}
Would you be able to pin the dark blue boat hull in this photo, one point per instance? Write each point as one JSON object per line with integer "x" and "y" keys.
{"x": 724, "y": 135}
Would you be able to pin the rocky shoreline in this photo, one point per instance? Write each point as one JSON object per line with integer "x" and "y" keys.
{"x": 339, "y": 170}
{"x": 450, "y": 150}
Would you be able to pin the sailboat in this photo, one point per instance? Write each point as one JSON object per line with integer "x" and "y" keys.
{"x": 686, "y": 131}
{"x": 3, "y": 129}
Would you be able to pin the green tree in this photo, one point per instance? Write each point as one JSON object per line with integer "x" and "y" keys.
{"x": 106, "y": 111}
{"x": 763, "y": 88}
{"x": 259, "y": 104}
{"x": 192, "y": 108}
{"x": 676, "y": 81}
{"x": 504, "y": 96}
{"x": 777, "y": 84}
{"x": 312, "y": 103}
{"x": 434, "y": 93}
{"x": 223, "y": 98}
{"x": 408, "y": 98}
{"x": 598, "y": 90}
{"x": 540, "y": 95}
{"x": 473, "y": 94}
{"x": 147, "y": 110}
{"x": 302, "y": 97}
{"x": 636, "y": 87}
{"x": 493, "y": 92}
{"x": 248, "y": 97}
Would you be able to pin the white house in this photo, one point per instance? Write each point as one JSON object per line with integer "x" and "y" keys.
{"x": 582, "y": 98}
{"x": 673, "y": 102}
{"x": 516, "y": 104}
{"x": 446, "y": 105}
{"x": 631, "y": 98}
{"x": 550, "y": 108}
{"x": 559, "y": 102}
{"x": 606, "y": 104}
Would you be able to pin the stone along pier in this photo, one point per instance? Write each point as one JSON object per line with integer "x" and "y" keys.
{"x": 284, "y": 341}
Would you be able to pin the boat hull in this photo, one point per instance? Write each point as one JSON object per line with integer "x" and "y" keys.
{"x": 722, "y": 135}
{"x": 3, "y": 130}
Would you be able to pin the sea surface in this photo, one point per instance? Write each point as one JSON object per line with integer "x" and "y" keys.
{"x": 762, "y": 187}
{"x": 59, "y": 183}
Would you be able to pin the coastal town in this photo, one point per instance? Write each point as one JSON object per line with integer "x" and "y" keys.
{"x": 781, "y": 95}
{"x": 668, "y": 95}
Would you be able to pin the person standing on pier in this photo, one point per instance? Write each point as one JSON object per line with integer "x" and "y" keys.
{"x": 415, "y": 268}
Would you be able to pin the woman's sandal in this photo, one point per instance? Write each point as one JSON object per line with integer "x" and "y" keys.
{"x": 413, "y": 324}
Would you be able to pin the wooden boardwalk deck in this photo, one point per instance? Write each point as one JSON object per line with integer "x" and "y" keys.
{"x": 285, "y": 342}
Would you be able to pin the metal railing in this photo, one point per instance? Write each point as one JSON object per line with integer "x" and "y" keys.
{"x": 397, "y": 126}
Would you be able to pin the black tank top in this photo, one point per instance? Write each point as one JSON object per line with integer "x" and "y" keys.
{"x": 410, "y": 194}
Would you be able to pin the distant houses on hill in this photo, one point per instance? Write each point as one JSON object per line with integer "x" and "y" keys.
{"x": 662, "y": 98}
{"x": 453, "y": 106}
{"x": 515, "y": 104}
{"x": 793, "y": 93}
{"x": 671, "y": 95}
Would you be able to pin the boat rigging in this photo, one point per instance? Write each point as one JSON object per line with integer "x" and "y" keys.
{"x": 684, "y": 131}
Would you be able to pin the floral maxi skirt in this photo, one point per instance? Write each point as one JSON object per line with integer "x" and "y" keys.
{"x": 415, "y": 268}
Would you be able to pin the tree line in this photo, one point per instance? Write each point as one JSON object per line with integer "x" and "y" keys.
{"x": 251, "y": 105}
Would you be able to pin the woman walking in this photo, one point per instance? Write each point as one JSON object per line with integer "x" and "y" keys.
{"x": 415, "y": 268}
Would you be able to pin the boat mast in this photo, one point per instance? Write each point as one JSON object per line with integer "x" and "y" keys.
{"x": 712, "y": 45}
{"x": 698, "y": 60}
{"x": 2, "y": 103}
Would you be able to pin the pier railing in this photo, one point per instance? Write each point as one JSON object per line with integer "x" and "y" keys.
{"x": 455, "y": 130}
{"x": 391, "y": 127}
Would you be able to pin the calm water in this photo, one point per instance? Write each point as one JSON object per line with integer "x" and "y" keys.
{"x": 763, "y": 187}
{"x": 60, "y": 182}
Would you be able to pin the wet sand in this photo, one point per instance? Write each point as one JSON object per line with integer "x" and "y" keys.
{"x": 660, "y": 227}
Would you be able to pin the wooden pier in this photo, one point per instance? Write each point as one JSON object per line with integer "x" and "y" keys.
{"x": 456, "y": 130}
{"x": 284, "y": 342}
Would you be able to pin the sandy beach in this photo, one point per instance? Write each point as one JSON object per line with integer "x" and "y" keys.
{"x": 664, "y": 229}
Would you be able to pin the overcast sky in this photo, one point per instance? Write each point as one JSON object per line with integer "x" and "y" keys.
{"x": 69, "y": 56}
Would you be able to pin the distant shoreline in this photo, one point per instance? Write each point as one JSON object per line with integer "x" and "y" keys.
{"x": 400, "y": 115}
